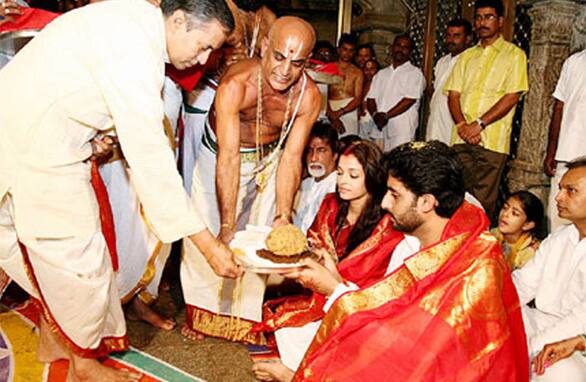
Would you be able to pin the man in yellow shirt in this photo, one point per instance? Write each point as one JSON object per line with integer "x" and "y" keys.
{"x": 487, "y": 82}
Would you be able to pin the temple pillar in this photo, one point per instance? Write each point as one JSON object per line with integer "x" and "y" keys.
{"x": 378, "y": 24}
{"x": 551, "y": 35}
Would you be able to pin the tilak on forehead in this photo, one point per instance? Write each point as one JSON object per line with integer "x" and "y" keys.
{"x": 292, "y": 37}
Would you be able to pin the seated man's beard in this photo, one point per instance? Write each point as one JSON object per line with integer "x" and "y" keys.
{"x": 316, "y": 169}
{"x": 408, "y": 222}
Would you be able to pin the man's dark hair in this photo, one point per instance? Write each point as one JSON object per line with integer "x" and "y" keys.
{"x": 346, "y": 141}
{"x": 249, "y": 5}
{"x": 497, "y": 5}
{"x": 460, "y": 22}
{"x": 405, "y": 36}
{"x": 576, "y": 163}
{"x": 366, "y": 46}
{"x": 325, "y": 131}
{"x": 429, "y": 168}
{"x": 347, "y": 38}
{"x": 203, "y": 11}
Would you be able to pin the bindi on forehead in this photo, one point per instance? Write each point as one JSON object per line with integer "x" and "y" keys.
{"x": 291, "y": 48}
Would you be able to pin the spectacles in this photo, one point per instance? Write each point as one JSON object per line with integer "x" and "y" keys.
{"x": 485, "y": 17}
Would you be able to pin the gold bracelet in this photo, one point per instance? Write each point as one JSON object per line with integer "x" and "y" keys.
{"x": 284, "y": 215}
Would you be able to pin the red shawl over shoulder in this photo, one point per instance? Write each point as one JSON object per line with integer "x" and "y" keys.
{"x": 365, "y": 264}
{"x": 449, "y": 313}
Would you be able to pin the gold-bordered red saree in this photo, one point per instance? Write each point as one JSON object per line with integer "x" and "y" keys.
{"x": 450, "y": 313}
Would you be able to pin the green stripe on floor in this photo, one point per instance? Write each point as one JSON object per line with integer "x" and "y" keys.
{"x": 154, "y": 366}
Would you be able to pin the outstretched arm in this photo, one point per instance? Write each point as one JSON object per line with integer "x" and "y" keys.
{"x": 290, "y": 165}
{"x": 229, "y": 98}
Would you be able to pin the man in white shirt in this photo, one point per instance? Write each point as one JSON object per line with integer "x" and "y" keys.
{"x": 50, "y": 238}
{"x": 440, "y": 122}
{"x": 555, "y": 279}
{"x": 320, "y": 156}
{"x": 567, "y": 129}
{"x": 393, "y": 98}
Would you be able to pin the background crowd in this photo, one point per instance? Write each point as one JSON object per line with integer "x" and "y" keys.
{"x": 270, "y": 126}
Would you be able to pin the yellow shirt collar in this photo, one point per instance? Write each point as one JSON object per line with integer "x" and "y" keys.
{"x": 498, "y": 44}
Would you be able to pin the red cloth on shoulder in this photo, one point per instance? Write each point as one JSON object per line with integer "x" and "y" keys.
{"x": 31, "y": 18}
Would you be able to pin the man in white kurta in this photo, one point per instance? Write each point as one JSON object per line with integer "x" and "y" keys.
{"x": 320, "y": 157}
{"x": 47, "y": 203}
{"x": 555, "y": 279}
{"x": 393, "y": 98}
{"x": 567, "y": 135}
{"x": 440, "y": 122}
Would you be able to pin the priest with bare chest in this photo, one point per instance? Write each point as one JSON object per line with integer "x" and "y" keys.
{"x": 248, "y": 171}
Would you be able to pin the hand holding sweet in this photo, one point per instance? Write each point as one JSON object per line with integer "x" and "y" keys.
{"x": 316, "y": 277}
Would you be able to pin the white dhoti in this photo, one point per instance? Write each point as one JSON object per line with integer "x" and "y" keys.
{"x": 368, "y": 129}
{"x": 567, "y": 370}
{"x": 73, "y": 280}
{"x": 194, "y": 116}
{"x": 395, "y": 135}
{"x": 216, "y": 306}
{"x": 293, "y": 343}
{"x": 350, "y": 120}
{"x": 571, "y": 369}
{"x": 141, "y": 256}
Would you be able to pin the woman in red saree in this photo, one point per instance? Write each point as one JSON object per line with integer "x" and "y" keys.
{"x": 353, "y": 229}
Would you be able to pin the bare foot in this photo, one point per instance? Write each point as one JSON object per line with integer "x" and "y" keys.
{"x": 49, "y": 349}
{"x": 191, "y": 334}
{"x": 139, "y": 311}
{"x": 272, "y": 371}
{"x": 90, "y": 370}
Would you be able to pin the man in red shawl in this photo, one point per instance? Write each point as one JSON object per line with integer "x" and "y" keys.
{"x": 449, "y": 312}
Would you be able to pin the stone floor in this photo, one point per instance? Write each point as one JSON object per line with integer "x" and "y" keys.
{"x": 211, "y": 359}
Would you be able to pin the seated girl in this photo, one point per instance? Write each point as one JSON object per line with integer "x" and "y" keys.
{"x": 350, "y": 228}
{"x": 519, "y": 228}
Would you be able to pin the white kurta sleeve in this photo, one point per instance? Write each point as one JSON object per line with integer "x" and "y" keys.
{"x": 564, "y": 82}
{"x": 528, "y": 277}
{"x": 131, "y": 85}
{"x": 375, "y": 87}
{"x": 339, "y": 291}
{"x": 413, "y": 85}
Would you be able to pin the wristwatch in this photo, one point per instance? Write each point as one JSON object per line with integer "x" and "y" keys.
{"x": 480, "y": 123}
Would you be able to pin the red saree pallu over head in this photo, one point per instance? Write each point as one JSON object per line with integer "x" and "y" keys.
{"x": 449, "y": 313}
{"x": 365, "y": 264}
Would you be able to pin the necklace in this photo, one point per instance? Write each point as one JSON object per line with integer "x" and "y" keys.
{"x": 250, "y": 46}
{"x": 262, "y": 176}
